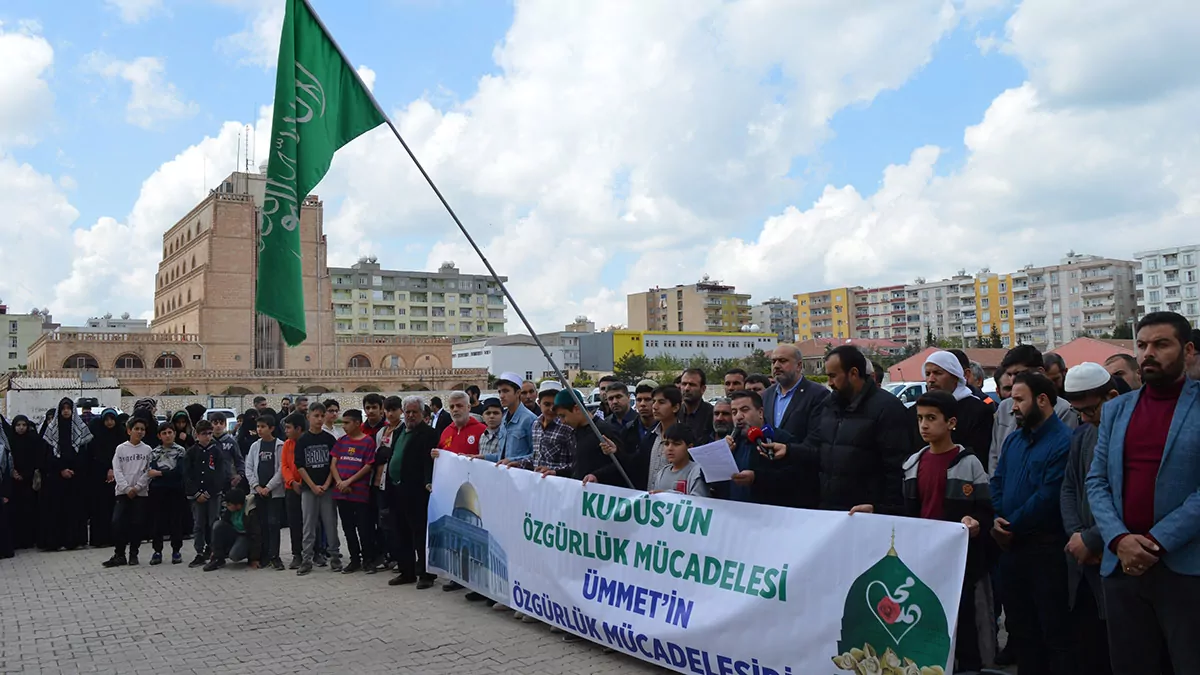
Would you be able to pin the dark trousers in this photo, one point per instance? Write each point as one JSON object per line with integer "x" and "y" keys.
{"x": 966, "y": 647}
{"x": 169, "y": 509}
{"x": 101, "y": 503}
{"x": 128, "y": 523}
{"x": 386, "y": 527}
{"x": 229, "y": 543}
{"x": 1035, "y": 602}
{"x": 409, "y": 512}
{"x": 295, "y": 522}
{"x": 271, "y": 513}
{"x": 62, "y": 512}
{"x": 1150, "y": 614}
{"x": 1091, "y": 633}
{"x": 378, "y": 545}
{"x": 356, "y": 524}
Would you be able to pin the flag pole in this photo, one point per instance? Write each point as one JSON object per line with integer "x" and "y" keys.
{"x": 471, "y": 240}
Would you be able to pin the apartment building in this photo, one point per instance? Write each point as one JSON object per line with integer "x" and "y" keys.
{"x": 21, "y": 331}
{"x": 1166, "y": 280}
{"x": 825, "y": 314}
{"x": 776, "y": 316}
{"x": 1081, "y": 296}
{"x": 935, "y": 307}
{"x": 370, "y": 301}
{"x": 705, "y": 306}
{"x": 880, "y": 313}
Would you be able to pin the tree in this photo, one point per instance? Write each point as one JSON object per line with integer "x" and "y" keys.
{"x": 757, "y": 363}
{"x": 950, "y": 343}
{"x": 631, "y": 367}
{"x": 996, "y": 341}
{"x": 930, "y": 340}
{"x": 583, "y": 380}
{"x": 1123, "y": 332}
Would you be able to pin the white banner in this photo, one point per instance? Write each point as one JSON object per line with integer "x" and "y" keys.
{"x": 703, "y": 586}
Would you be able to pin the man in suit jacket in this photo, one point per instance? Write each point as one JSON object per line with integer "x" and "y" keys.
{"x": 793, "y": 404}
{"x": 440, "y": 419}
{"x": 1144, "y": 491}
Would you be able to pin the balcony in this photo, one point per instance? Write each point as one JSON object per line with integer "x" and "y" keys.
{"x": 1038, "y": 311}
{"x": 1096, "y": 291}
{"x": 970, "y": 332}
{"x": 968, "y": 320}
{"x": 1099, "y": 304}
{"x": 1096, "y": 321}
{"x": 1024, "y": 329}
{"x": 1020, "y": 300}
{"x": 1037, "y": 282}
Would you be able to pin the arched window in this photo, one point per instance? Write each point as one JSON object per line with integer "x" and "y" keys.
{"x": 359, "y": 361}
{"x": 81, "y": 361}
{"x": 394, "y": 362}
{"x": 129, "y": 361}
{"x": 168, "y": 361}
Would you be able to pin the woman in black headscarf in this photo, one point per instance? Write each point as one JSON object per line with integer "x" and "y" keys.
{"x": 247, "y": 431}
{"x": 29, "y": 454}
{"x": 62, "y": 502}
{"x": 107, "y": 434}
{"x": 184, "y": 435}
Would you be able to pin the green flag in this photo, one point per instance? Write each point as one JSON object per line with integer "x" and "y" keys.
{"x": 320, "y": 105}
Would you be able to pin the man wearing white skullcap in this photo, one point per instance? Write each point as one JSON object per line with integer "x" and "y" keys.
{"x": 944, "y": 372}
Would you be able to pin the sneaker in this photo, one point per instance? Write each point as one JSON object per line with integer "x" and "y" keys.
{"x": 156, "y": 559}
{"x": 353, "y": 567}
{"x": 452, "y": 586}
{"x": 133, "y": 559}
{"x": 295, "y": 564}
{"x": 501, "y": 607}
{"x": 526, "y": 618}
{"x": 320, "y": 561}
{"x": 116, "y": 561}
{"x": 214, "y": 564}
{"x": 401, "y": 580}
{"x": 305, "y": 568}
{"x": 422, "y": 584}
{"x": 335, "y": 564}
{"x": 176, "y": 558}
{"x": 198, "y": 560}
{"x": 277, "y": 565}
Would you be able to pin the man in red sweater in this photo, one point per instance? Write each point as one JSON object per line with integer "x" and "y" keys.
{"x": 1144, "y": 491}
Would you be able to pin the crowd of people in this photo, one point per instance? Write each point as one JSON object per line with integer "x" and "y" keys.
{"x": 1079, "y": 487}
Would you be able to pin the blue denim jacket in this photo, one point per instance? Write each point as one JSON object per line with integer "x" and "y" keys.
{"x": 1176, "y": 491}
{"x": 516, "y": 435}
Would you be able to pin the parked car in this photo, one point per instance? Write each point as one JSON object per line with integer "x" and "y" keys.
{"x": 907, "y": 392}
{"x": 230, "y": 417}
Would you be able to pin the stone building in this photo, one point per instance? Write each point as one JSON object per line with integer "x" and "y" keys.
{"x": 206, "y": 337}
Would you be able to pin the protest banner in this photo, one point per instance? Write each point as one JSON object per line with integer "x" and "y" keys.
{"x": 702, "y": 585}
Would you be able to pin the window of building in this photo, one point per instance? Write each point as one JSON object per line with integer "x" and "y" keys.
{"x": 1004, "y": 314}
{"x": 362, "y": 324}
{"x": 12, "y": 326}
{"x": 12, "y": 355}
{"x": 1155, "y": 296}
{"x": 983, "y": 302}
{"x": 1004, "y": 301}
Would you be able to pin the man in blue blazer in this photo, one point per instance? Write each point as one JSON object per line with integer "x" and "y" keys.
{"x": 1144, "y": 491}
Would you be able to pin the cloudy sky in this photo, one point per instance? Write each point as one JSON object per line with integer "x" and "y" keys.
{"x": 599, "y": 148}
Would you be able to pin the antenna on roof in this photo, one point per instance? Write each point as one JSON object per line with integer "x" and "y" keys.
{"x": 249, "y": 152}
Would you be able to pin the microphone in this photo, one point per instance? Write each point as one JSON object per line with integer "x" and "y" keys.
{"x": 754, "y": 434}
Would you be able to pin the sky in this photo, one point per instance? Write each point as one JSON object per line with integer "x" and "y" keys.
{"x": 596, "y": 149}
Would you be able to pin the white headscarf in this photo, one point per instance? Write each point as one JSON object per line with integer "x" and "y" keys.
{"x": 949, "y": 363}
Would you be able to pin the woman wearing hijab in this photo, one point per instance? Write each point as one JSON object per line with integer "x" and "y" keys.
{"x": 28, "y": 453}
{"x": 62, "y": 503}
{"x": 183, "y": 429}
{"x": 247, "y": 431}
{"x": 107, "y": 434}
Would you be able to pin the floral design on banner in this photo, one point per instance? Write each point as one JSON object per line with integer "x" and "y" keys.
{"x": 898, "y": 621}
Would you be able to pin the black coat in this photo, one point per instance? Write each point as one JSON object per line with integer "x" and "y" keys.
{"x": 800, "y": 486}
{"x": 590, "y": 459}
{"x": 860, "y": 447}
{"x": 416, "y": 466}
{"x": 700, "y": 422}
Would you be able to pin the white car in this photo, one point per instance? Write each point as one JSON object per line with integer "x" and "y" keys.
{"x": 907, "y": 392}
{"x": 230, "y": 417}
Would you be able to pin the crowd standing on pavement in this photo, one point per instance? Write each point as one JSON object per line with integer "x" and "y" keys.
{"x": 1079, "y": 487}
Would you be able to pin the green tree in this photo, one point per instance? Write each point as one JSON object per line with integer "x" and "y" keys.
{"x": 583, "y": 380}
{"x": 631, "y": 367}
{"x": 1123, "y": 332}
{"x": 758, "y": 362}
{"x": 930, "y": 340}
{"x": 950, "y": 343}
{"x": 996, "y": 341}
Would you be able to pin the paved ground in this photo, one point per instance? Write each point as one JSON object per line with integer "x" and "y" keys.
{"x": 63, "y": 613}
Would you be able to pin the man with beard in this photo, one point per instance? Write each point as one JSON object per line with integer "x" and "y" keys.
{"x": 1142, "y": 489}
{"x": 106, "y": 436}
{"x": 695, "y": 412}
{"x": 1192, "y": 363}
{"x": 793, "y": 404}
{"x": 529, "y": 392}
{"x": 62, "y": 501}
{"x": 1056, "y": 370}
{"x": 757, "y": 383}
{"x": 722, "y": 418}
{"x": 1018, "y": 360}
{"x": 859, "y": 442}
{"x": 619, "y": 414}
{"x": 973, "y": 417}
{"x": 1028, "y": 528}
{"x": 752, "y": 462}
{"x": 735, "y": 380}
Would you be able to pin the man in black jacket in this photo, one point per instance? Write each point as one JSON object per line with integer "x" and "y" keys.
{"x": 409, "y": 478}
{"x": 944, "y": 372}
{"x": 1088, "y": 386}
{"x": 793, "y": 404}
{"x": 695, "y": 411}
{"x": 859, "y": 443}
{"x": 593, "y": 458}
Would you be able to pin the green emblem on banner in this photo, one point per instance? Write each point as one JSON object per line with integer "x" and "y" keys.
{"x": 893, "y": 624}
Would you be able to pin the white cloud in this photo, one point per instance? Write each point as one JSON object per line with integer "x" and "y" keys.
{"x": 134, "y": 11}
{"x": 26, "y": 101}
{"x": 368, "y": 77}
{"x": 152, "y": 99}
{"x": 35, "y": 240}
{"x": 257, "y": 44}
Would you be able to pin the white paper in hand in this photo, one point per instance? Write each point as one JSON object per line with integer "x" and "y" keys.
{"x": 715, "y": 460}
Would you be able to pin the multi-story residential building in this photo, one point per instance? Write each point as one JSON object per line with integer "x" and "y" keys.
{"x": 778, "y": 317}
{"x": 1166, "y": 280}
{"x": 935, "y": 307}
{"x": 994, "y": 307}
{"x": 1082, "y": 296}
{"x": 20, "y": 332}
{"x": 370, "y": 301}
{"x": 880, "y": 313}
{"x": 716, "y": 347}
{"x": 825, "y": 314}
{"x": 705, "y": 306}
